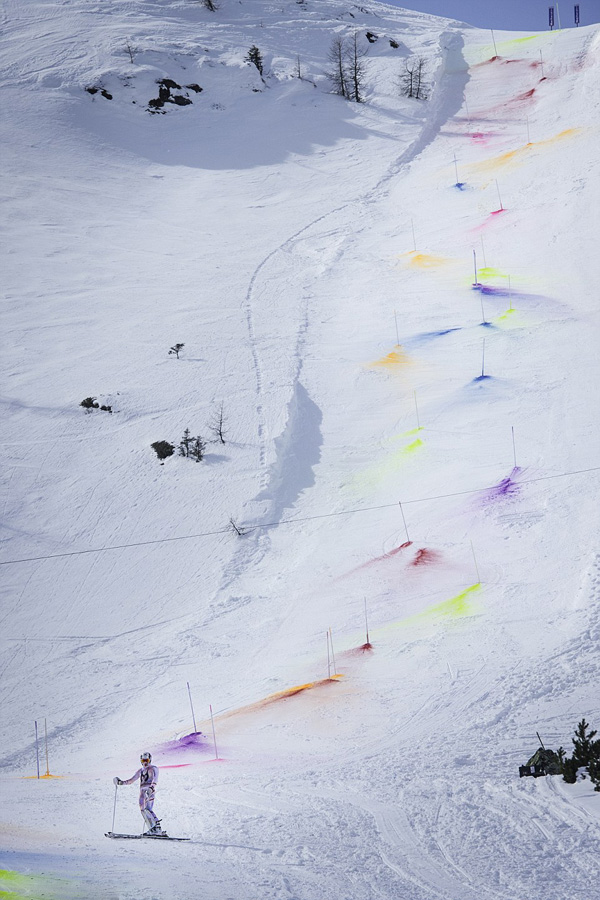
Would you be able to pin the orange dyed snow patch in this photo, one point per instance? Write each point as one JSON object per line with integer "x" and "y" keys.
{"x": 393, "y": 360}
{"x": 515, "y": 156}
{"x": 281, "y": 695}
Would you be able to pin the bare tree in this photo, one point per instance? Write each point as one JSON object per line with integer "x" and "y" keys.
{"x": 412, "y": 80}
{"x": 356, "y": 69}
{"x": 210, "y": 4}
{"x": 337, "y": 73}
{"x": 217, "y": 424}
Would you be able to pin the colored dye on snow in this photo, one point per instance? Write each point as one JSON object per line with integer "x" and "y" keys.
{"x": 426, "y": 336}
{"x": 482, "y": 137}
{"x": 489, "y": 219}
{"x": 193, "y": 741}
{"x": 394, "y": 360}
{"x": 389, "y": 466}
{"x": 460, "y": 185}
{"x": 482, "y": 378}
{"x": 358, "y": 651}
{"x": 504, "y": 488}
{"x": 426, "y": 557}
{"x": 380, "y": 559}
{"x": 16, "y": 886}
{"x": 456, "y": 607}
{"x": 425, "y": 260}
{"x": 516, "y": 156}
{"x": 282, "y": 695}
{"x": 489, "y": 272}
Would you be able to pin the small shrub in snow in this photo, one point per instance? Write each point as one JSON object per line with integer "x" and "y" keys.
{"x": 217, "y": 424}
{"x": 163, "y": 449}
{"x": 90, "y": 403}
{"x": 176, "y": 350}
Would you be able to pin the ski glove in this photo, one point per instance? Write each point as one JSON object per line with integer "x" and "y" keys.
{"x": 117, "y": 780}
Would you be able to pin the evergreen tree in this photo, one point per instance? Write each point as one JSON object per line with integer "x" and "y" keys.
{"x": 185, "y": 443}
{"x": 197, "y": 448}
{"x": 583, "y": 744}
{"x": 254, "y": 57}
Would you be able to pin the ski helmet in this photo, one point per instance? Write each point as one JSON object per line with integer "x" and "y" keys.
{"x": 146, "y": 758}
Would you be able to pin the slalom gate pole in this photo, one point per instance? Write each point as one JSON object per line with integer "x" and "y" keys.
{"x": 192, "y": 706}
{"x": 499, "y": 197}
{"x": 332, "y": 653}
{"x": 367, "y": 622}
{"x": 509, "y": 294}
{"x": 212, "y": 720}
{"x": 416, "y": 409}
{"x": 404, "y": 520}
{"x": 328, "y": 659}
{"x": 483, "y": 359}
{"x": 475, "y": 267}
{"x": 37, "y": 750}
{"x": 512, "y": 428}
{"x": 114, "y": 807}
{"x": 456, "y": 168}
{"x": 494, "y": 41}
{"x": 475, "y": 561}
{"x": 483, "y": 252}
{"x": 412, "y": 223}
{"x": 482, "y": 312}
{"x": 46, "y": 739}
{"x": 397, "y": 335}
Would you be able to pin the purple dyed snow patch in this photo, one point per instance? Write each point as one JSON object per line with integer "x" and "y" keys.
{"x": 504, "y": 488}
{"x": 194, "y": 741}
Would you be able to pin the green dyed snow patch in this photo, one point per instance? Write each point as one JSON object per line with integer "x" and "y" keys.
{"x": 455, "y": 608}
{"x": 16, "y": 886}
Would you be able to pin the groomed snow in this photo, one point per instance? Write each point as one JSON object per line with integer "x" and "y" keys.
{"x": 316, "y": 258}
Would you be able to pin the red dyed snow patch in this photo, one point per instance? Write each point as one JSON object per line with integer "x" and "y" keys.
{"x": 426, "y": 557}
{"x": 526, "y": 95}
{"x": 358, "y": 651}
{"x": 378, "y": 559}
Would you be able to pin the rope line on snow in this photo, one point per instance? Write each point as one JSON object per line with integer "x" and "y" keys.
{"x": 246, "y": 528}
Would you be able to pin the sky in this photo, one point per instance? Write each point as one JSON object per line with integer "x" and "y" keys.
{"x": 513, "y": 15}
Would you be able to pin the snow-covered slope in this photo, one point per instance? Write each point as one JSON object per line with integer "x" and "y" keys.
{"x": 317, "y": 259}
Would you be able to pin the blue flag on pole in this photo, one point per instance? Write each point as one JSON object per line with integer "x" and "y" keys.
{"x": 577, "y": 14}
{"x": 551, "y": 16}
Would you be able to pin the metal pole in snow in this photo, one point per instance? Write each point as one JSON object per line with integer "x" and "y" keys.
{"x": 37, "y": 750}
{"x": 213, "y": 730}
{"x": 417, "y": 409}
{"x": 397, "y": 335}
{"x": 403, "y": 519}
{"x": 558, "y": 15}
{"x": 192, "y": 706}
{"x": 475, "y": 561}
{"x": 475, "y": 267}
{"x": 494, "y": 42}
{"x": 528, "y": 138}
{"x": 456, "y": 168}
{"x": 412, "y": 224}
{"x": 46, "y": 739}
{"x": 328, "y": 659}
{"x": 483, "y": 252}
{"x": 483, "y": 360}
{"x": 366, "y": 622}
{"x": 483, "y": 322}
{"x": 509, "y": 294}
{"x": 115, "y": 807}
{"x": 542, "y": 63}
{"x": 332, "y": 653}
{"x": 512, "y": 428}
{"x": 499, "y": 197}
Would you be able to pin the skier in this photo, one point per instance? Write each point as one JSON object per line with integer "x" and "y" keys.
{"x": 148, "y": 775}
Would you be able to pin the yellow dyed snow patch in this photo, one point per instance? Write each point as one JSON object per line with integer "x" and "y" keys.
{"x": 389, "y": 466}
{"x": 489, "y": 272}
{"x": 456, "y": 608}
{"x": 15, "y": 886}
{"x": 424, "y": 260}
{"x": 393, "y": 361}
{"x": 505, "y": 160}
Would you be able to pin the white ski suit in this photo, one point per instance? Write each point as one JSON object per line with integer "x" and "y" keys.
{"x": 148, "y": 776}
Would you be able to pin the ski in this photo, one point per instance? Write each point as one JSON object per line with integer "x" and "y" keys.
{"x": 152, "y": 837}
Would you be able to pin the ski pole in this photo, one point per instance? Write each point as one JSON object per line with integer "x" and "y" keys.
{"x": 115, "y": 807}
